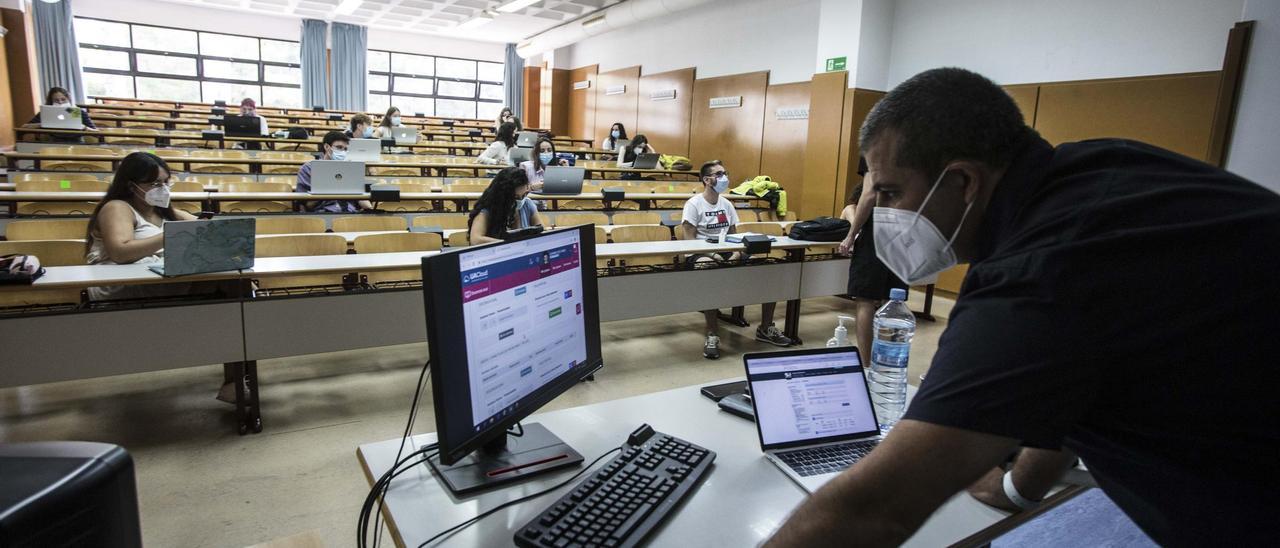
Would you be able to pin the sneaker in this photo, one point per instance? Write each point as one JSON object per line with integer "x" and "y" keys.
{"x": 711, "y": 350}
{"x": 772, "y": 335}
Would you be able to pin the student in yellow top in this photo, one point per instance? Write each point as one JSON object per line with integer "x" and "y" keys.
{"x": 390, "y": 120}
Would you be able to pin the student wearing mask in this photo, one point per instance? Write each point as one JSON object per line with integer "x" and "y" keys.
{"x": 639, "y": 145}
{"x": 503, "y": 117}
{"x": 334, "y": 147}
{"x": 389, "y": 120}
{"x": 616, "y": 133}
{"x": 499, "y": 151}
{"x": 504, "y": 206}
{"x": 1108, "y": 311}
{"x": 60, "y": 97}
{"x": 361, "y": 127}
{"x": 544, "y": 155}
{"x": 869, "y": 280}
{"x": 706, "y": 215}
{"x": 250, "y": 108}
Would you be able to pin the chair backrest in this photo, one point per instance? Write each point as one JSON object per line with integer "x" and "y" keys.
{"x": 460, "y": 239}
{"x": 467, "y": 187}
{"x": 298, "y": 245}
{"x": 290, "y": 180}
{"x": 50, "y": 252}
{"x": 572, "y": 219}
{"x": 31, "y": 176}
{"x": 454, "y": 220}
{"x": 637, "y": 218}
{"x": 164, "y": 152}
{"x": 187, "y": 186}
{"x": 254, "y": 187}
{"x": 601, "y": 236}
{"x": 93, "y": 151}
{"x": 290, "y": 225}
{"x": 52, "y": 229}
{"x": 398, "y": 241}
{"x": 579, "y": 204}
{"x": 368, "y": 223}
{"x": 62, "y": 186}
{"x": 640, "y": 234}
{"x": 772, "y": 229}
{"x": 219, "y": 179}
{"x": 219, "y": 154}
{"x": 416, "y": 188}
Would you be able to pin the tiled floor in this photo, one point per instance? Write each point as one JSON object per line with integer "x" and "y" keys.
{"x": 200, "y": 484}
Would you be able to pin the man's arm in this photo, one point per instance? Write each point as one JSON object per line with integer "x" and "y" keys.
{"x": 1035, "y": 472}
{"x": 866, "y": 203}
{"x": 883, "y": 499}
{"x": 687, "y": 231}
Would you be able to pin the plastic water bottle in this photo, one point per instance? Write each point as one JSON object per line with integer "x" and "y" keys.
{"x": 894, "y": 326}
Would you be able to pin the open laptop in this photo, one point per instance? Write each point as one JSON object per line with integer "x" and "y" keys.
{"x": 813, "y": 411}
{"x": 337, "y": 177}
{"x": 60, "y": 117}
{"x": 526, "y": 139}
{"x": 517, "y": 155}
{"x": 241, "y": 126}
{"x": 562, "y": 180}
{"x": 645, "y": 161}
{"x": 216, "y": 245}
{"x": 405, "y": 135}
{"x": 364, "y": 150}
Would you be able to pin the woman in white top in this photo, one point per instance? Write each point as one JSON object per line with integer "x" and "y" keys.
{"x": 499, "y": 150}
{"x": 616, "y": 133}
{"x": 503, "y": 117}
{"x": 390, "y": 120}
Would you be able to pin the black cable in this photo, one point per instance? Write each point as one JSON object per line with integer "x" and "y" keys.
{"x": 379, "y": 489}
{"x": 490, "y": 511}
{"x": 518, "y": 433}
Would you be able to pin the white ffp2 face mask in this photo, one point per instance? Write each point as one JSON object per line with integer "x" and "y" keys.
{"x": 910, "y": 245}
{"x": 157, "y": 196}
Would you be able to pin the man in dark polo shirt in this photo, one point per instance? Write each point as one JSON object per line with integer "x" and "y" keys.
{"x": 1121, "y": 304}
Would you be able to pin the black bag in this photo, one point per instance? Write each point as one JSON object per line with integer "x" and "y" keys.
{"x": 822, "y": 229}
{"x": 299, "y": 133}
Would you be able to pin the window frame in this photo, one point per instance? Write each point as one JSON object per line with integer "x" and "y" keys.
{"x": 435, "y": 95}
{"x": 133, "y": 52}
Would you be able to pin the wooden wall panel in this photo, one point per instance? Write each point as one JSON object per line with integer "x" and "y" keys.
{"x": 617, "y": 108}
{"x": 1171, "y": 111}
{"x": 860, "y": 102}
{"x": 6, "y": 102}
{"x": 823, "y": 143}
{"x": 782, "y": 154}
{"x": 20, "y": 55}
{"x": 666, "y": 123}
{"x": 532, "y": 100}
{"x": 582, "y": 103}
{"x": 554, "y": 107}
{"x": 731, "y": 135}
{"x": 1026, "y": 96}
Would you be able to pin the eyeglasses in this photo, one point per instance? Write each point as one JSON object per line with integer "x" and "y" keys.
{"x": 157, "y": 184}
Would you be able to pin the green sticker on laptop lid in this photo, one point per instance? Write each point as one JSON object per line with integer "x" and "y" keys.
{"x": 64, "y": 184}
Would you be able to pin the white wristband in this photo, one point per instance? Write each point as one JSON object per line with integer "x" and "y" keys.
{"x": 1013, "y": 494}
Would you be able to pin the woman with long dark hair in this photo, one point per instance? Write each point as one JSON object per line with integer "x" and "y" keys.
{"x": 504, "y": 116}
{"x": 127, "y": 225}
{"x": 639, "y": 145}
{"x": 536, "y": 167}
{"x": 503, "y": 206}
{"x": 499, "y": 151}
{"x": 617, "y": 132}
{"x": 58, "y": 97}
{"x": 390, "y": 120}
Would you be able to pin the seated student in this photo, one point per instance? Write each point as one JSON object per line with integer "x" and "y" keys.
{"x": 334, "y": 147}
{"x": 537, "y": 166}
{"x": 503, "y": 117}
{"x": 705, "y": 216}
{"x": 250, "y": 108}
{"x": 504, "y": 206}
{"x": 361, "y": 127}
{"x": 616, "y": 133}
{"x": 59, "y": 97}
{"x": 639, "y": 145}
{"x": 499, "y": 151}
{"x": 390, "y": 120}
{"x": 126, "y": 227}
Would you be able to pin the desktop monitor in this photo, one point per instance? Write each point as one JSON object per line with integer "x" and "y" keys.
{"x": 510, "y": 326}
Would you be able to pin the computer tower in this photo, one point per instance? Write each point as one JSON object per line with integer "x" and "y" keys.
{"x": 67, "y": 493}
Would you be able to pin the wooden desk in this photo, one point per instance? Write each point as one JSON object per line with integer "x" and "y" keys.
{"x": 294, "y": 119}
{"x": 130, "y": 103}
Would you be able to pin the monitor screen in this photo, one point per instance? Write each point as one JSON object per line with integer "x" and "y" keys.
{"x": 810, "y": 396}
{"x": 510, "y": 326}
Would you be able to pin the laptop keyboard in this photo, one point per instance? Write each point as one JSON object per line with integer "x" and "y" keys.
{"x": 827, "y": 458}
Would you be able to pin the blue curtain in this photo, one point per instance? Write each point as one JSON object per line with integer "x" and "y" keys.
{"x": 350, "y": 79}
{"x": 57, "y": 51}
{"x": 315, "y": 89}
{"x": 513, "y": 81}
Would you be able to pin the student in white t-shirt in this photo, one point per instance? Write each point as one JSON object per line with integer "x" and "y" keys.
{"x": 706, "y": 215}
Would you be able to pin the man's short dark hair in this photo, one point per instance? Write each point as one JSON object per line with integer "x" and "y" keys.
{"x": 947, "y": 114}
{"x": 333, "y": 137}
{"x": 705, "y": 170}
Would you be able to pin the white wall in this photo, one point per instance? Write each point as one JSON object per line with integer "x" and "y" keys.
{"x": 839, "y": 26}
{"x": 726, "y": 37}
{"x": 277, "y": 27}
{"x": 1020, "y": 41}
{"x": 874, "y": 45}
{"x": 1256, "y": 138}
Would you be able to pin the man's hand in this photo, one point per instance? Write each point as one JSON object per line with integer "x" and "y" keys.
{"x": 846, "y": 245}
{"x": 1035, "y": 472}
{"x": 990, "y": 491}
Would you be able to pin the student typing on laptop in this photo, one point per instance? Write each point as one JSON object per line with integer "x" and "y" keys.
{"x": 1119, "y": 304}
{"x": 504, "y": 206}
{"x": 59, "y": 97}
{"x": 536, "y": 167}
{"x": 334, "y": 147}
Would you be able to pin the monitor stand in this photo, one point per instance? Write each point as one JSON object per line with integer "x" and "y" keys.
{"x": 507, "y": 459}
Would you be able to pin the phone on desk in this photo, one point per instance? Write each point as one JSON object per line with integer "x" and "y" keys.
{"x": 205, "y": 215}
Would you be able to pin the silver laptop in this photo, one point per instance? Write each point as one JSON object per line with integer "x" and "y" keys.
{"x": 405, "y": 135}
{"x": 337, "y": 177}
{"x": 645, "y": 161}
{"x": 517, "y": 155}
{"x": 364, "y": 150}
{"x": 562, "y": 180}
{"x": 198, "y": 247}
{"x": 60, "y": 117}
{"x": 813, "y": 411}
{"x": 526, "y": 139}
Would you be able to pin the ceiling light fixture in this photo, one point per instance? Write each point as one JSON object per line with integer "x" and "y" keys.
{"x": 593, "y": 21}
{"x": 484, "y": 18}
{"x": 516, "y": 5}
{"x": 347, "y": 7}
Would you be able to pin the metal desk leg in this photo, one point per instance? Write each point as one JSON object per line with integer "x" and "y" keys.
{"x": 248, "y": 413}
{"x": 791, "y": 329}
{"x": 927, "y": 314}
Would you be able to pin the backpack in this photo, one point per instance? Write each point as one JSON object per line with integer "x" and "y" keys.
{"x": 822, "y": 229}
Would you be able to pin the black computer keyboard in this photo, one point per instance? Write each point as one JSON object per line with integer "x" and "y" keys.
{"x": 828, "y": 458}
{"x": 624, "y": 501}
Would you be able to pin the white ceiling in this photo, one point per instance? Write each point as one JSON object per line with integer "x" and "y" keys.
{"x": 436, "y": 17}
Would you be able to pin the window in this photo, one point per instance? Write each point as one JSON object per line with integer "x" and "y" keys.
{"x": 151, "y": 62}
{"x": 434, "y": 86}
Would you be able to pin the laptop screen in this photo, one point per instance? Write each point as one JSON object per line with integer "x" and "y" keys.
{"x": 810, "y": 396}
